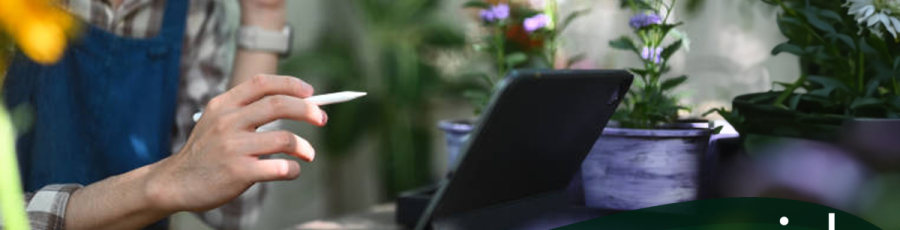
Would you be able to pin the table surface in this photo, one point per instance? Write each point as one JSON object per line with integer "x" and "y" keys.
{"x": 546, "y": 211}
{"x": 378, "y": 217}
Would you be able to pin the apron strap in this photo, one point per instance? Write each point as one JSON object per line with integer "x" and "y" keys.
{"x": 174, "y": 20}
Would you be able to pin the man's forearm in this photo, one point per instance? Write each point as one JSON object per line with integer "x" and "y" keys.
{"x": 120, "y": 202}
{"x": 248, "y": 63}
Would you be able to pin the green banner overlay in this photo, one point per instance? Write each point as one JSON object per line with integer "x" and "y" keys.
{"x": 731, "y": 213}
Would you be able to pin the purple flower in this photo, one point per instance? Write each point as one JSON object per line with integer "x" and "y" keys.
{"x": 536, "y": 22}
{"x": 644, "y": 20}
{"x": 501, "y": 11}
{"x": 487, "y": 15}
{"x": 495, "y": 13}
{"x": 652, "y": 54}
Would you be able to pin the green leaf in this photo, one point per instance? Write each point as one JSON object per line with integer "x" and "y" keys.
{"x": 846, "y": 39}
{"x": 812, "y": 49}
{"x": 828, "y": 85}
{"x": 693, "y": 5}
{"x": 640, "y": 4}
{"x": 667, "y": 27}
{"x": 813, "y": 19}
{"x": 671, "y": 49}
{"x": 788, "y": 47}
{"x": 443, "y": 36}
{"x": 883, "y": 91}
{"x": 571, "y": 18}
{"x": 828, "y": 14}
{"x": 478, "y": 98}
{"x": 791, "y": 27}
{"x": 717, "y": 130}
{"x": 795, "y": 100}
{"x": 477, "y": 4}
{"x": 894, "y": 101}
{"x": 872, "y": 87}
{"x": 866, "y": 48}
{"x": 711, "y": 111}
{"x": 515, "y": 59}
{"x": 641, "y": 72}
{"x": 864, "y": 102}
{"x": 672, "y": 82}
{"x": 624, "y": 43}
{"x": 575, "y": 59}
{"x": 897, "y": 63}
{"x": 782, "y": 84}
{"x": 879, "y": 45}
{"x": 476, "y": 76}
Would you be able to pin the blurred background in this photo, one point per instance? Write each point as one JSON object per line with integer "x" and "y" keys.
{"x": 413, "y": 58}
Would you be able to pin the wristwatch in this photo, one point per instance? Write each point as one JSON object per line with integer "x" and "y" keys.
{"x": 259, "y": 39}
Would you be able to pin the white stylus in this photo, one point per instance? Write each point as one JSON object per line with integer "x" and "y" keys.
{"x": 320, "y": 100}
{"x": 333, "y": 98}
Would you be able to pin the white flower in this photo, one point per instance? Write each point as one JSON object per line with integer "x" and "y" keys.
{"x": 876, "y": 14}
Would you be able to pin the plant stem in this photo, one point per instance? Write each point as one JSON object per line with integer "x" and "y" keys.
{"x": 779, "y": 102}
{"x": 501, "y": 53}
{"x": 896, "y": 85}
{"x": 669, "y": 10}
{"x": 861, "y": 73}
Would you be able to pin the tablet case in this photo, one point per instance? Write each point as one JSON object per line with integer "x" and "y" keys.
{"x": 532, "y": 139}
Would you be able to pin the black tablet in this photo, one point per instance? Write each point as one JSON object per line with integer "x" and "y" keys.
{"x": 534, "y": 135}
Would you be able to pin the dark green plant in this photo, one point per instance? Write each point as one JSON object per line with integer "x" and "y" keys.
{"x": 649, "y": 103}
{"x": 383, "y": 47}
{"x": 848, "y": 70}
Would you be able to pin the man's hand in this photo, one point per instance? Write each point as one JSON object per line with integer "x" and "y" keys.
{"x": 221, "y": 157}
{"x": 219, "y": 161}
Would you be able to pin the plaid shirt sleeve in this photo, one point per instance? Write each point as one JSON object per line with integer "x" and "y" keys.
{"x": 46, "y": 208}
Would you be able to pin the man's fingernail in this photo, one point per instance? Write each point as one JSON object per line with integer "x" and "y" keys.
{"x": 324, "y": 118}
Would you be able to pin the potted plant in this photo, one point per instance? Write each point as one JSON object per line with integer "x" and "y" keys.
{"x": 850, "y": 65}
{"x": 646, "y": 157}
{"x": 846, "y": 98}
{"x": 518, "y": 35}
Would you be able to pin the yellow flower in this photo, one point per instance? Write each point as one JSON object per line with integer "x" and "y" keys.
{"x": 39, "y": 27}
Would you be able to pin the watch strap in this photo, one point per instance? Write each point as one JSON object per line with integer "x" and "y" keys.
{"x": 256, "y": 38}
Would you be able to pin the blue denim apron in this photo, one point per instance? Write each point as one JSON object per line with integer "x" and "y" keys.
{"x": 105, "y": 108}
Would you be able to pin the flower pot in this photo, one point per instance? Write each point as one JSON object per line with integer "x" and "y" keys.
{"x": 873, "y": 141}
{"x": 630, "y": 169}
{"x": 761, "y": 118}
{"x": 456, "y": 133}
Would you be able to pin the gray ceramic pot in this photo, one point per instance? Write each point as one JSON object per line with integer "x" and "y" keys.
{"x": 630, "y": 169}
{"x": 456, "y": 133}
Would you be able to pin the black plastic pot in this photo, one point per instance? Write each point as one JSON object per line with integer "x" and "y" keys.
{"x": 760, "y": 117}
